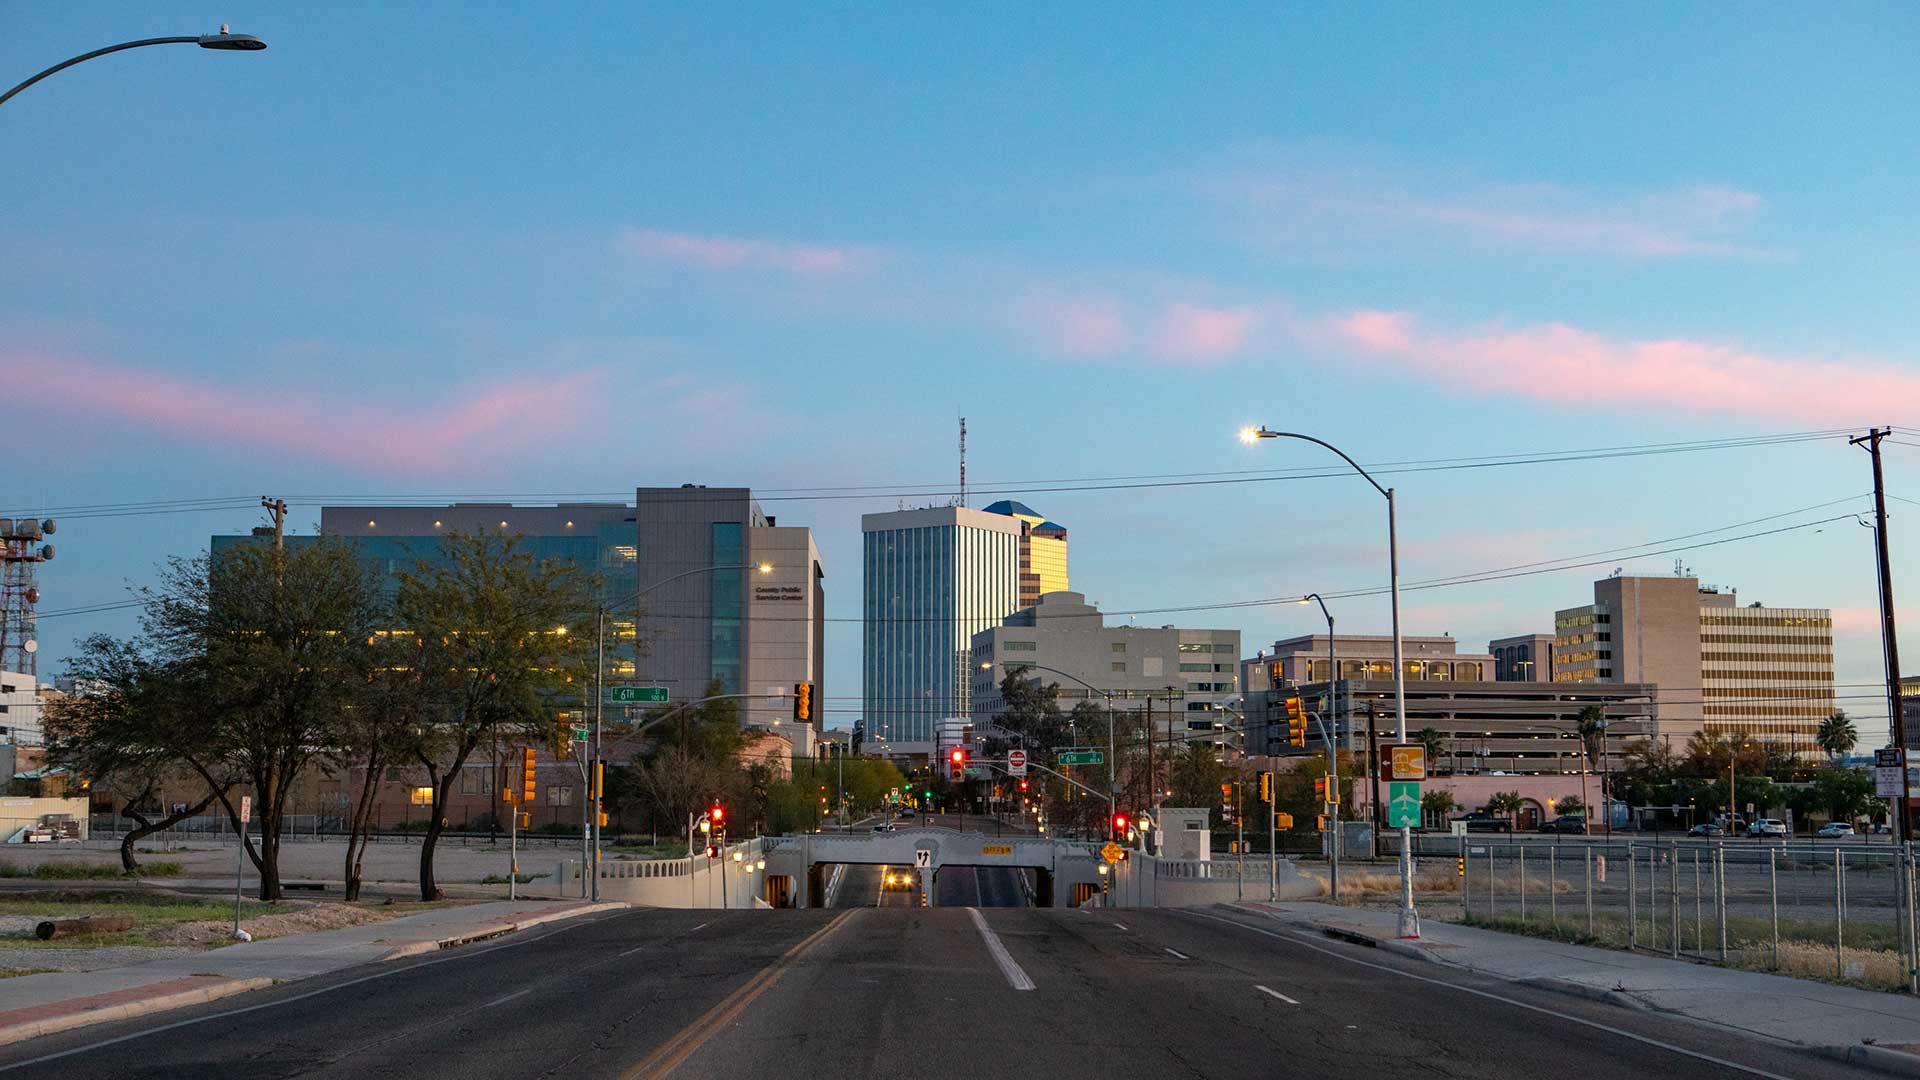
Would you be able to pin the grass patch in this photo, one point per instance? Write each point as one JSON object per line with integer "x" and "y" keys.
{"x": 501, "y": 879}
{"x": 153, "y": 911}
{"x": 91, "y": 871}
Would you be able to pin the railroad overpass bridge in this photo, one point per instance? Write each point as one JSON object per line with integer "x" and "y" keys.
{"x": 1065, "y": 871}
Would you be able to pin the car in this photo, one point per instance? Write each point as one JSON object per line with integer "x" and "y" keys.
{"x": 1569, "y": 824}
{"x": 1706, "y": 828}
{"x": 897, "y": 880}
{"x": 1833, "y": 830}
{"x": 1766, "y": 826}
{"x": 1487, "y": 823}
{"x": 885, "y": 826}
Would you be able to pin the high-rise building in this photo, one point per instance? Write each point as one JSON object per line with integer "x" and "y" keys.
{"x": 1722, "y": 668}
{"x": 931, "y": 580}
{"x": 1523, "y": 658}
{"x": 1043, "y": 551}
{"x": 1185, "y": 674}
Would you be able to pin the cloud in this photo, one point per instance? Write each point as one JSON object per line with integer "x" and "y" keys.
{"x": 1077, "y": 324}
{"x": 1361, "y": 209}
{"x": 742, "y": 253}
{"x": 484, "y": 423}
{"x": 1097, "y": 325}
{"x": 1189, "y": 332}
{"x": 1565, "y": 365}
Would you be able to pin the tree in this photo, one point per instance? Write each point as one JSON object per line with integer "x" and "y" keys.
{"x": 1436, "y": 804}
{"x": 1506, "y": 802}
{"x": 1434, "y": 742}
{"x": 121, "y": 731}
{"x": 1837, "y": 735}
{"x": 499, "y": 653}
{"x": 1839, "y": 794}
{"x": 1571, "y": 806}
{"x": 266, "y": 644}
{"x": 383, "y": 724}
{"x": 1591, "y": 726}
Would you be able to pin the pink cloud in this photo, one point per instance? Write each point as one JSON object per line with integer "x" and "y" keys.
{"x": 741, "y": 253}
{"x": 483, "y": 424}
{"x": 1081, "y": 325}
{"x": 1189, "y": 332}
{"x": 1566, "y": 365}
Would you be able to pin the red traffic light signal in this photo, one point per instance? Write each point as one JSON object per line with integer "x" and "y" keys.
{"x": 1023, "y": 785}
{"x": 957, "y": 756}
{"x": 717, "y": 814}
{"x": 1121, "y": 823}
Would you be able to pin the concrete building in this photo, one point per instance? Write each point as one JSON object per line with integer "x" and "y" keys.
{"x": 1184, "y": 674}
{"x": 20, "y": 703}
{"x": 1304, "y": 659}
{"x": 1721, "y": 668}
{"x": 932, "y": 579}
{"x": 1525, "y": 658}
{"x": 1043, "y": 551}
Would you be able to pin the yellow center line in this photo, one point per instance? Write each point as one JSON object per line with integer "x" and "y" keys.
{"x": 669, "y": 1055}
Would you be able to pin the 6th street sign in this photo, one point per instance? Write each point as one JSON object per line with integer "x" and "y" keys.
{"x": 633, "y": 695}
{"x": 1081, "y": 757}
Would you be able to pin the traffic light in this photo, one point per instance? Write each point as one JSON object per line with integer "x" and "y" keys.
{"x": 1023, "y": 786}
{"x": 563, "y": 743}
{"x": 1266, "y": 787}
{"x": 1460, "y": 867}
{"x": 1120, "y": 825}
{"x": 717, "y": 814}
{"x": 1324, "y": 789}
{"x": 1296, "y": 722}
{"x": 603, "y": 819}
{"x": 957, "y": 763}
{"x": 803, "y": 701}
{"x": 1282, "y": 820}
{"x": 713, "y": 852}
{"x": 527, "y": 775}
{"x": 1320, "y": 823}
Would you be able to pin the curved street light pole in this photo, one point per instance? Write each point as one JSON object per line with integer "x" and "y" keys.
{"x": 1409, "y": 918}
{"x": 222, "y": 41}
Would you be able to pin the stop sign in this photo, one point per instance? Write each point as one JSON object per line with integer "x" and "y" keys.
{"x": 1017, "y": 762}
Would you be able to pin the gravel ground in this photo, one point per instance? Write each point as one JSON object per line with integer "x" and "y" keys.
{"x": 109, "y": 956}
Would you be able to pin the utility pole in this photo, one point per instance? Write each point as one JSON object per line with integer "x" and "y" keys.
{"x": 1373, "y": 771}
{"x": 278, "y": 508}
{"x": 1890, "y": 643}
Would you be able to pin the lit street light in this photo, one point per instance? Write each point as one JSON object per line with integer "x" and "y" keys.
{"x": 1409, "y": 919}
{"x": 220, "y": 42}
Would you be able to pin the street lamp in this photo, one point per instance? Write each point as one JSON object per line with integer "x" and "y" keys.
{"x": 1409, "y": 919}
{"x": 221, "y": 42}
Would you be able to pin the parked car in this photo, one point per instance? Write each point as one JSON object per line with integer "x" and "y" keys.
{"x": 1479, "y": 822}
{"x": 885, "y": 826}
{"x": 1766, "y": 826}
{"x": 1706, "y": 828}
{"x": 1833, "y": 830}
{"x": 1568, "y": 824}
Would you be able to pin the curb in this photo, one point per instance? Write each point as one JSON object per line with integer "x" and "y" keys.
{"x": 84, "y": 1017}
{"x": 421, "y": 948}
{"x": 1872, "y": 1057}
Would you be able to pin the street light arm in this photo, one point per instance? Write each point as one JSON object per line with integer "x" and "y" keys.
{"x": 241, "y": 42}
{"x": 1263, "y": 433}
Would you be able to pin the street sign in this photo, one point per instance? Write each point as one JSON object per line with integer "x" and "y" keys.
{"x": 1082, "y": 757}
{"x": 1017, "y": 762}
{"x": 580, "y": 734}
{"x": 996, "y": 849}
{"x": 246, "y": 809}
{"x": 1113, "y": 852}
{"x": 1403, "y": 805}
{"x": 922, "y": 858}
{"x": 1886, "y": 781}
{"x": 1458, "y": 828}
{"x": 630, "y": 695}
{"x": 1409, "y": 761}
{"x": 1887, "y": 757}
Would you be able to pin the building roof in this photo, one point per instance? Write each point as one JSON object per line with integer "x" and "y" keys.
{"x": 1011, "y": 508}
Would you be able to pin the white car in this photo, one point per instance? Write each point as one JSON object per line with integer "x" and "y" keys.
{"x": 1767, "y": 826}
{"x": 1834, "y": 830}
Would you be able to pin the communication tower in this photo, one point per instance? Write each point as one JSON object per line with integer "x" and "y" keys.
{"x": 23, "y": 547}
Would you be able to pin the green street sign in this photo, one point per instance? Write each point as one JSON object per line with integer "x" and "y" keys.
{"x": 1082, "y": 757}
{"x": 580, "y": 734}
{"x": 1403, "y": 805}
{"x": 631, "y": 695}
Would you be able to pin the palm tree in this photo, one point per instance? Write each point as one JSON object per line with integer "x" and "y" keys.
{"x": 1591, "y": 725}
{"x": 1509, "y": 803}
{"x": 1433, "y": 741}
{"x": 1436, "y": 804}
{"x": 1837, "y": 735}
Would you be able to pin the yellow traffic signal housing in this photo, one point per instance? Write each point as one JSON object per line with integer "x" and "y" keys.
{"x": 1320, "y": 823}
{"x": 527, "y": 774}
{"x": 1282, "y": 820}
{"x": 526, "y": 821}
{"x": 603, "y": 819}
{"x": 1326, "y": 789}
{"x": 1266, "y": 787}
{"x": 1296, "y": 722}
{"x": 803, "y": 701}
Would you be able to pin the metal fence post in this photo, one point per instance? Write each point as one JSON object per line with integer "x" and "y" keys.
{"x": 1699, "y": 919}
{"x": 1653, "y": 896}
{"x": 1773, "y": 902}
{"x": 1720, "y": 895}
{"x": 1633, "y": 894}
{"x": 1553, "y": 886}
{"x": 1839, "y": 916}
{"x": 1673, "y": 900}
{"x": 1466, "y": 880}
{"x": 1493, "y": 895}
{"x": 1523, "y": 882}
{"x": 1589, "y": 852}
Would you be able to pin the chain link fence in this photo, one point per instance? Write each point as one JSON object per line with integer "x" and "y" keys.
{"x": 1799, "y": 909}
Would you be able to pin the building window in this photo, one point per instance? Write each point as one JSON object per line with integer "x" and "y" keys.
{"x": 1020, "y": 646}
{"x": 1223, "y": 648}
{"x": 476, "y": 781}
{"x": 728, "y": 548}
{"x": 1119, "y": 646}
{"x": 559, "y": 794}
{"x": 1196, "y": 667}
{"x": 1118, "y": 665}
{"x": 1190, "y": 646}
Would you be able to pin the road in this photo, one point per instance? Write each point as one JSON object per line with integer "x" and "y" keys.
{"x": 943, "y": 992}
{"x": 956, "y": 886}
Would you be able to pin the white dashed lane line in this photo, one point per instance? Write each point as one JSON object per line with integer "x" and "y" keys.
{"x": 1177, "y": 954}
{"x": 1275, "y": 993}
{"x": 509, "y": 997}
{"x": 1015, "y": 977}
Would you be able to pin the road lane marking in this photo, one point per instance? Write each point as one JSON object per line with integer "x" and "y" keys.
{"x": 1117, "y": 926}
{"x": 1015, "y": 977}
{"x": 508, "y": 943}
{"x": 669, "y": 1055}
{"x": 880, "y": 896}
{"x": 631, "y": 951}
{"x": 702, "y": 926}
{"x": 1644, "y": 1040}
{"x": 515, "y": 994}
{"x": 1275, "y": 993}
{"x": 1179, "y": 955}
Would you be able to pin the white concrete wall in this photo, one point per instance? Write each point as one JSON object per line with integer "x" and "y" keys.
{"x": 666, "y": 882}
{"x": 17, "y": 814}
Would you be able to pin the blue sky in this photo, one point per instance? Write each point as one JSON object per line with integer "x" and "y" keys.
{"x": 480, "y": 249}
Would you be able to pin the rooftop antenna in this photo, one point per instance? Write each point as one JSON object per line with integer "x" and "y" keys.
{"x": 963, "y": 461}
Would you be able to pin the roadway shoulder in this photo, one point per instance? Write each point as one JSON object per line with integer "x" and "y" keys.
{"x": 507, "y": 924}
{"x": 65, "y": 1015}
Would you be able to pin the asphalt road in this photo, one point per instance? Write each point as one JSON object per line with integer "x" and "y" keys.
{"x": 943, "y": 993}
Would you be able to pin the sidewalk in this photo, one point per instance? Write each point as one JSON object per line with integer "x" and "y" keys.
{"x": 1863, "y": 1026}
{"x": 33, "y": 1005}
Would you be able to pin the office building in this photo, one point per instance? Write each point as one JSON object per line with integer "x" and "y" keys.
{"x": 20, "y": 704}
{"x": 1720, "y": 668}
{"x": 932, "y": 579}
{"x": 1184, "y": 675}
{"x": 1043, "y": 551}
{"x": 1305, "y": 659}
{"x": 1525, "y": 658}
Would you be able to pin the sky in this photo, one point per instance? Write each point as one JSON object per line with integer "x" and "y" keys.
{"x": 485, "y": 249}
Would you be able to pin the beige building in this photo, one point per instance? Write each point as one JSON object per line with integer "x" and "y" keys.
{"x": 1719, "y": 667}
